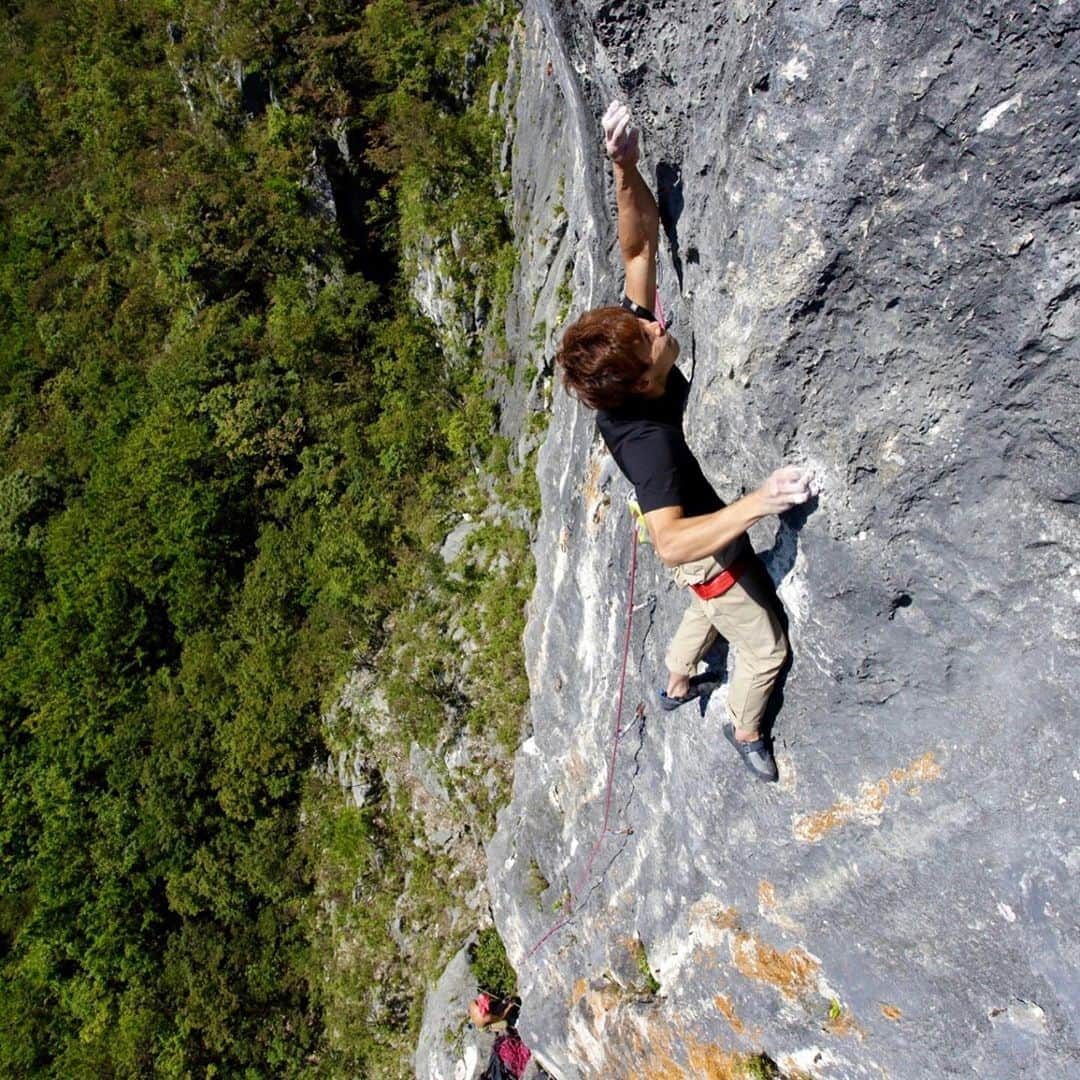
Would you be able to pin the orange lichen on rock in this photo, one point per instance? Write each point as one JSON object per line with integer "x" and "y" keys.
{"x": 661, "y": 1067}
{"x": 766, "y": 894}
{"x": 592, "y": 478}
{"x": 926, "y": 768}
{"x": 812, "y": 827}
{"x": 726, "y": 918}
{"x": 769, "y": 907}
{"x": 873, "y": 796}
{"x": 659, "y": 1063}
{"x": 868, "y": 804}
{"x": 792, "y": 973}
{"x": 728, "y": 1011}
{"x": 581, "y": 987}
{"x": 711, "y": 923}
{"x": 702, "y": 957}
{"x": 601, "y": 1000}
{"x": 710, "y": 1062}
{"x": 891, "y": 1012}
{"x": 844, "y": 1025}
{"x": 594, "y": 497}
{"x": 704, "y": 1061}
{"x": 654, "y": 1046}
{"x": 576, "y": 769}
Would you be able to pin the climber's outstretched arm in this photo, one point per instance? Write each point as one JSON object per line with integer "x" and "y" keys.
{"x": 680, "y": 539}
{"x": 639, "y": 220}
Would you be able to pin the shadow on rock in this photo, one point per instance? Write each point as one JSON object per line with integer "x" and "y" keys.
{"x": 767, "y": 572}
{"x": 669, "y": 197}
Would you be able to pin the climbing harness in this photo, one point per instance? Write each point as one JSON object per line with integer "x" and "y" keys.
{"x": 717, "y": 586}
{"x": 617, "y": 733}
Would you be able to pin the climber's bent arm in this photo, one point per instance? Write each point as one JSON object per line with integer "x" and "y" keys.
{"x": 679, "y": 539}
{"x": 639, "y": 223}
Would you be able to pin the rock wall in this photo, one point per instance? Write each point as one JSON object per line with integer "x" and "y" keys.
{"x": 870, "y": 218}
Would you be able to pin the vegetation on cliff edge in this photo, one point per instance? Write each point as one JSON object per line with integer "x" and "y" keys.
{"x": 230, "y": 446}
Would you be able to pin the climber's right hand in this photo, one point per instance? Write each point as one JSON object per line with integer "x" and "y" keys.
{"x": 620, "y": 139}
{"x": 789, "y": 486}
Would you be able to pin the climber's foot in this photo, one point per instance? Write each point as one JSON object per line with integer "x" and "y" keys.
{"x": 755, "y": 754}
{"x": 699, "y": 686}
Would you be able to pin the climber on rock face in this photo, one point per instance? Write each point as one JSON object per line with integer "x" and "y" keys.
{"x": 620, "y": 361}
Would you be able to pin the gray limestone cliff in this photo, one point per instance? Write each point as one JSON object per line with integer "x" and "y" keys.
{"x": 871, "y": 256}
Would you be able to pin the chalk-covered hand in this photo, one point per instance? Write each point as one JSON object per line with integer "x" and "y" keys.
{"x": 785, "y": 488}
{"x": 620, "y": 138}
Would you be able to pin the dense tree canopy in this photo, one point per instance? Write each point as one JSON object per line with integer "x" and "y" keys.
{"x": 224, "y": 432}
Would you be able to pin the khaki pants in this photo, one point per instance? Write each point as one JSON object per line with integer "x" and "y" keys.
{"x": 744, "y": 617}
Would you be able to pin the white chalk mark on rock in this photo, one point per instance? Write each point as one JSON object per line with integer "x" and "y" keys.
{"x": 989, "y": 121}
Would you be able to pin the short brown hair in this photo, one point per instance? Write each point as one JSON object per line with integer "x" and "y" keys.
{"x": 601, "y": 358}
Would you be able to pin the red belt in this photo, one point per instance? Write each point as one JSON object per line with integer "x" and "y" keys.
{"x": 723, "y": 581}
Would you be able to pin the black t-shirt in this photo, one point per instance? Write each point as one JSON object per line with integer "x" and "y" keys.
{"x": 645, "y": 436}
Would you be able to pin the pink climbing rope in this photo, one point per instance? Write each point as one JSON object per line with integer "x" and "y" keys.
{"x": 616, "y": 736}
{"x": 658, "y": 311}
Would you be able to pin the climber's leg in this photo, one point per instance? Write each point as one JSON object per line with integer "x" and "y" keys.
{"x": 692, "y": 640}
{"x": 746, "y": 620}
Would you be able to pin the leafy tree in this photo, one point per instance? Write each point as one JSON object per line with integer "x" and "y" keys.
{"x": 228, "y": 441}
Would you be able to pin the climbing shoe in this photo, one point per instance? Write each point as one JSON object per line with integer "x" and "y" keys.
{"x": 756, "y": 755}
{"x": 700, "y": 686}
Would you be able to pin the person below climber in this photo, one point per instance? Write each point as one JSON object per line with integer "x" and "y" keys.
{"x": 620, "y": 361}
{"x": 487, "y": 1009}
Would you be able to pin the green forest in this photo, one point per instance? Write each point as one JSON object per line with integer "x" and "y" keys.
{"x": 231, "y": 447}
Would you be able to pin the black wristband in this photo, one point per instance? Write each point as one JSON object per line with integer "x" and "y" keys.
{"x": 637, "y": 310}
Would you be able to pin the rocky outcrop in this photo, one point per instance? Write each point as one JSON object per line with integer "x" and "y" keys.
{"x": 448, "y": 1047}
{"x": 870, "y": 212}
